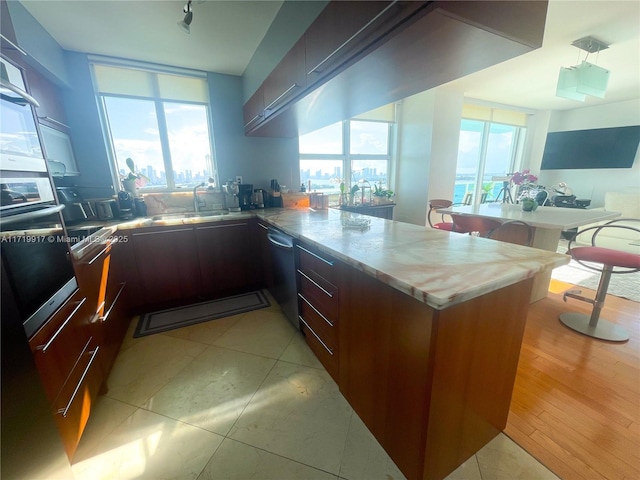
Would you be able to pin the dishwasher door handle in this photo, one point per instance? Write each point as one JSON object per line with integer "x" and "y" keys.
{"x": 274, "y": 240}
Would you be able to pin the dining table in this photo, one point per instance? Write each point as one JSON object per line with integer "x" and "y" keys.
{"x": 547, "y": 223}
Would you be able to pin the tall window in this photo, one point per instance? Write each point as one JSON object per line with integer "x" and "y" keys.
{"x": 488, "y": 148}
{"x": 348, "y": 151}
{"x": 160, "y": 121}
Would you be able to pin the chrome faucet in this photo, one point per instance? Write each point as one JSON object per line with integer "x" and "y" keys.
{"x": 196, "y": 203}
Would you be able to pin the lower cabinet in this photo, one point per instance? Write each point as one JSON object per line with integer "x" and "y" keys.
{"x": 225, "y": 258}
{"x": 101, "y": 278}
{"x": 66, "y": 351}
{"x": 319, "y": 305}
{"x": 167, "y": 263}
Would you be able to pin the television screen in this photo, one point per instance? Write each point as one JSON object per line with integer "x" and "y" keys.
{"x": 597, "y": 148}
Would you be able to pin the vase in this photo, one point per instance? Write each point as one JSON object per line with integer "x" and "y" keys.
{"x": 529, "y": 205}
{"x": 130, "y": 186}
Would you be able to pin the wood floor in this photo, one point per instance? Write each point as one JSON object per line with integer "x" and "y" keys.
{"x": 576, "y": 402}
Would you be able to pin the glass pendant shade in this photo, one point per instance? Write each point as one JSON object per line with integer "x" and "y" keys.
{"x": 592, "y": 80}
{"x": 568, "y": 84}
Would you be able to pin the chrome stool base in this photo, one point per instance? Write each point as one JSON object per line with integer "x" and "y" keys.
{"x": 603, "y": 330}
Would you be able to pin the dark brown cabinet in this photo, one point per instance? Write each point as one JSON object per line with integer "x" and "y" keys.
{"x": 287, "y": 80}
{"x": 225, "y": 258}
{"x": 319, "y": 305}
{"x": 339, "y": 32}
{"x": 51, "y": 111}
{"x": 253, "y": 110}
{"x": 167, "y": 263}
{"x": 66, "y": 353}
{"x": 101, "y": 278}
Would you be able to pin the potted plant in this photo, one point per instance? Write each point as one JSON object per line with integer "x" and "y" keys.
{"x": 133, "y": 179}
{"x": 381, "y": 195}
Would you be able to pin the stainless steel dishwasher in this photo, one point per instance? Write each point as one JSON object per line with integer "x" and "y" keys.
{"x": 284, "y": 274}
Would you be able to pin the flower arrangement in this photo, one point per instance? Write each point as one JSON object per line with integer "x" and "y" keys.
{"x": 524, "y": 178}
{"x": 137, "y": 178}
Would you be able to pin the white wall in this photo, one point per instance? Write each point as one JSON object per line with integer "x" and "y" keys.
{"x": 589, "y": 183}
{"x": 428, "y": 131}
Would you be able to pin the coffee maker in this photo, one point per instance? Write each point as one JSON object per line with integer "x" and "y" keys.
{"x": 231, "y": 196}
{"x": 245, "y": 196}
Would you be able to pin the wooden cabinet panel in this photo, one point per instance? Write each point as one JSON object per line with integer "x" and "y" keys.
{"x": 319, "y": 305}
{"x": 101, "y": 278}
{"x": 57, "y": 346}
{"x": 334, "y": 35}
{"x": 287, "y": 80}
{"x": 72, "y": 407}
{"x": 51, "y": 110}
{"x": 253, "y": 109}
{"x": 226, "y": 259}
{"x": 167, "y": 264}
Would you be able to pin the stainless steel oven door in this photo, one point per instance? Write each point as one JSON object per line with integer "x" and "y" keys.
{"x": 36, "y": 259}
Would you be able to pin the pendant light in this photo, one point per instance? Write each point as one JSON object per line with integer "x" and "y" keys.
{"x": 185, "y": 23}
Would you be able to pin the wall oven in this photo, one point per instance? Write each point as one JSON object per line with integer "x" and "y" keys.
{"x": 36, "y": 260}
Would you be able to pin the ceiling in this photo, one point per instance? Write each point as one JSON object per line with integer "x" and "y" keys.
{"x": 225, "y": 34}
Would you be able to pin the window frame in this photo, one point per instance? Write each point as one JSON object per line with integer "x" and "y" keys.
{"x": 347, "y": 157}
{"x": 163, "y": 133}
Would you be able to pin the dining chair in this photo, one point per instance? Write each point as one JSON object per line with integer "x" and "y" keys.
{"x": 607, "y": 261}
{"x": 472, "y": 225}
{"x": 434, "y": 205}
{"x": 513, "y": 231}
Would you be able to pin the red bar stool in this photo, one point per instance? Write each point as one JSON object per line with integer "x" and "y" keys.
{"x": 612, "y": 261}
{"x": 434, "y": 205}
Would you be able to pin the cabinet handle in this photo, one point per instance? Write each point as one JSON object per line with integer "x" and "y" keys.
{"x": 283, "y": 94}
{"x": 315, "y": 255}
{"x": 330, "y": 350}
{"x": 139, "y": 234}
{"x": 53, "y": 120}
{"x": 101, "y": 252}
{"x": 253, "y": 120}
{"x": 13, "y": 45}
{"x": 263, "y": 226}
{"x": 350, "y": 39}
{"x": 209, "y": 227}
{"x": 115, "y": 300}
{"x": 316, "y": 310}
{"x": 330, "y": 294}
{"x": 65, "y": 410}
{"x": 43, "y": 348}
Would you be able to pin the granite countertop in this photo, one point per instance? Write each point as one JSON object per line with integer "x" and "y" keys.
{"x": 436, "y": 267}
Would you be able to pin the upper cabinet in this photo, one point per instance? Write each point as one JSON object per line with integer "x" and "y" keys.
{"x": 51, "y": 111}
{"x": 360, "y": 55}
{"x": 287, "y": 80}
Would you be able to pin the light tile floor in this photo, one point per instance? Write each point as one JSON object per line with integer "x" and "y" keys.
{"x": 244, "y": 398}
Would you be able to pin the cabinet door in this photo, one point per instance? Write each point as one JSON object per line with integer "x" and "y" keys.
{"x": 51, "y": 110}
{"x": 253, "y": 110}
{"x": 60, "y": 342}
{"x": 226, "y": 259}
{"x": 287, "y": 80}
{"x": 333, "y": 36}
{"x": 167, "y": 264}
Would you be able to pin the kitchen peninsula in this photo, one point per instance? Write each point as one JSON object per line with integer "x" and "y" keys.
{"x": 429, "y": 327}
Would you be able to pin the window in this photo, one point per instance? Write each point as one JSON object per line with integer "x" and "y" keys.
{"x": 326, "y": 162}
{"x": 487, "y": 148}
{"x": 161, "y": 121}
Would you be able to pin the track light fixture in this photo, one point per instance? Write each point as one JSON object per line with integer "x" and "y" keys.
{"x": 578, "y": 81}
{"x": 185, "y": 23}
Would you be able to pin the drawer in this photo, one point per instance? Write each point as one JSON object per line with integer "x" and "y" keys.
{"x": 322, "y": 294}
{"x": 320, "y": 263}
{"x": 328, "y": 356}
{"x": 326, "y": 328}
{"x": 73, "y": 405}
{"x": 57, "y": 346}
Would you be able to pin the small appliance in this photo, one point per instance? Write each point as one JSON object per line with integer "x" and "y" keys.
{"x": 140, "y": 206}
{"x": 126, "y": 205}
{"x": 259, "y": 196}
{"x": 104, "y": 209}
{"x": 75, "y": 208}
{"x": 245, "y": 196}
{"x": 231, "y": 196}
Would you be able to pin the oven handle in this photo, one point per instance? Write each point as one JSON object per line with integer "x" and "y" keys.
{"x": 21, "y": 217}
